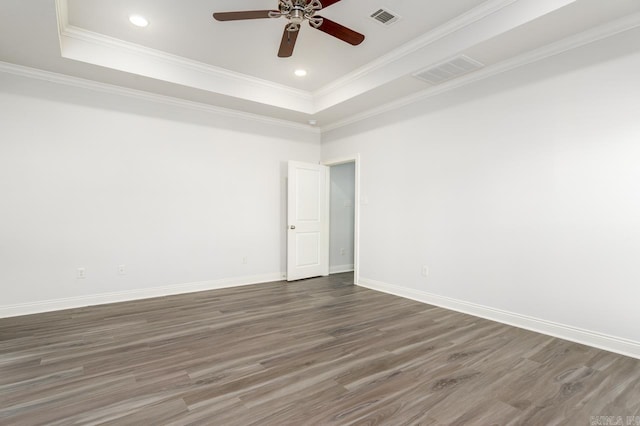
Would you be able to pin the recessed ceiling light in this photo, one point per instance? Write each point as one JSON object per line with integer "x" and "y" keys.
{"x": 300, "y": 73}
{"x": 138, "y": 21}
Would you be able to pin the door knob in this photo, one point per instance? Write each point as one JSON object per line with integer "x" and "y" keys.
{"x": 293, "y": 227}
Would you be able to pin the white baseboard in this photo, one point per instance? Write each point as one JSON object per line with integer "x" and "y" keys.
{"x": 124, "y": 296}
{"x": 598, "y": 340}
{"x": 338, "y": 269}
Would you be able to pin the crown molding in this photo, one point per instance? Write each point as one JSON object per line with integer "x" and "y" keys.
{"x": 590, "y": 36}
{"x": 304, "y": 97}
{"x": 468, "y": 18}
{"x": 584, "y": 38}
{"x": 82, "y": 83}
{"x": 237, "y": 78}
{"x": 83, "y": 45}
{"x": 494, "y": 19}
{"x": 102, "y": 50}
{"x": 484, "y": 20}
{"x": 62, "y": 15}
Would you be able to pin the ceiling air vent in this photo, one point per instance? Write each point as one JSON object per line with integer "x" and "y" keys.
{"x": 385, "y": 16}
{"x": 449, "y": 70}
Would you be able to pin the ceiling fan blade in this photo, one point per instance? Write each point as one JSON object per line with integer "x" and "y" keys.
{"x": 327, "y": 3}
{"x": 237, "y": 16}
{"x": 288, "y": 43}
{"x": 340, "y": 31}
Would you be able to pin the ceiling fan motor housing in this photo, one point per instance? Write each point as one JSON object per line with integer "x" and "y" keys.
{"x": 296, "y": 16}
{"x": 296, "y": 11}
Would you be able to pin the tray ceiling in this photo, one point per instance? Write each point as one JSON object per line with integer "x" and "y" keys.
{"x": 185, "y": 54}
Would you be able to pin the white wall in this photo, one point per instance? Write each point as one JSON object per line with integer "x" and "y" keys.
{"x": 96, "y": 180}
{"x": 520, "y": 192}
{"x": 342, "y": 217}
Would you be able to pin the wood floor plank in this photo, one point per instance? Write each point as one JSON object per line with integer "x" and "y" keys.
{"x": 318, "y": 351}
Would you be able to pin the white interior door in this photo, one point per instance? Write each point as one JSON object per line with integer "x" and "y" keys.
{"x": 308, "y": 221}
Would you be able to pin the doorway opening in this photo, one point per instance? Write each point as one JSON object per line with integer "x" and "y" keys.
{"x": 343, "y": 215}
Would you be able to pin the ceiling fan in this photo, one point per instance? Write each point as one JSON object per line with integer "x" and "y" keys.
{"x": 296, "y": 12}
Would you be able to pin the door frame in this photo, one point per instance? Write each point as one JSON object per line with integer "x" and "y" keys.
{"x": 354, "y": 158}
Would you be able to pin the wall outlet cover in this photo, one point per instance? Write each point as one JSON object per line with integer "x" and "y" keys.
{"x": 425, "y": 270}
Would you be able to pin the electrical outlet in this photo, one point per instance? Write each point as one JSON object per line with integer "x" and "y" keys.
{"x": 343, "y": 252}
{"x": 81, "y": 273}
{"x": 245, "y": 260}
{"x": 425, "y": 270}
{"x": 122, "y": 269}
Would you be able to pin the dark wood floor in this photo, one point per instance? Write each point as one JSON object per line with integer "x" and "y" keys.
{"x": 319, "y": 351}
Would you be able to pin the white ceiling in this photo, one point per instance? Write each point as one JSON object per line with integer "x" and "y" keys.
{"x": 185, "y": 54}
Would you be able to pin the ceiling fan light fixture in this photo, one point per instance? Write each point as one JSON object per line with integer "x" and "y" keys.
{"x": 139, "y": 21}
{"x": 300, "y": 72}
